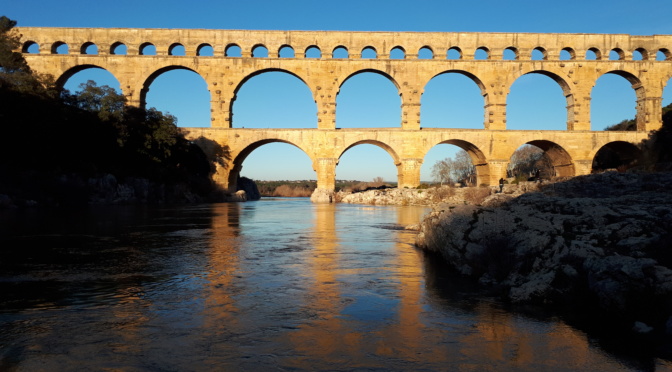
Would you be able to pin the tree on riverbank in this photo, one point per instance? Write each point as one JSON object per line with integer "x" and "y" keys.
{"x": 459, "y": 169}
{"x": 55, "y": 140}
{"x": 527, "y": 160}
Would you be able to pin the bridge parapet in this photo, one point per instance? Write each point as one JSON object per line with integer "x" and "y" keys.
{"x": 549, "y": 45}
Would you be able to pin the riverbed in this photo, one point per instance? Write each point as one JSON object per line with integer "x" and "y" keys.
{"x": 276, "y": 284}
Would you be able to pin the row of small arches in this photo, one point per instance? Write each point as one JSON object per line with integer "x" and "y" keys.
{"x": 341, "y": 52}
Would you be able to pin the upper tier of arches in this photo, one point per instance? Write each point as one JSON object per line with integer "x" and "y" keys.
{"x": 372, "y": 45}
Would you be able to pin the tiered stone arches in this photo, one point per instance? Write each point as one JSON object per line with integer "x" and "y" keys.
{"x": 135, "y": 57}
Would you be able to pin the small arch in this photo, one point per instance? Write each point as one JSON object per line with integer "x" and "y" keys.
{"x": 176, "y": 49}
{"x": 313, "y": 52}
{"x": 618, "y": 155}
{"x": 369, "y": 53}
{"x": 616, "y": 54}
{"x": 118, "y": 48}
{"x": 259, "y": 51}
{"x": 454, "y": 53}
{"x": 567, "y": 54}
{"x": 30, "y": 47}
{"x": 340, "y": 52}
{"x": 510, "y": 54}
{"x": 593, "y": 54}
{"x": 663, "y": 54}
{"x": 59, "y": 47}
{"x": 89, "y": 48}
{"x": 205, "y": 50}
{"x": 640, "y": 54}
{"x": 425, "y": 53}
{"x": 561, "y": 161}
{"x": 147, "y": 49}
{"x": 286, "y": 51}
{"x": 397, "y": 53}
{"x": 539, "y": 54}
{"x": 482, "y": 53}
{"x": 233, "y": 50}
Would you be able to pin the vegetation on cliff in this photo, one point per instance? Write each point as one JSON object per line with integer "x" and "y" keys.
{"x": 54, "y": 141}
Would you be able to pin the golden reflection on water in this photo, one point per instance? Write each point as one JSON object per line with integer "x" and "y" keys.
{"x": 325, "y": 337}
{"x": 491, "y": 339}
{"x": 345, "y": 289}
{"x": 220, "y": 313}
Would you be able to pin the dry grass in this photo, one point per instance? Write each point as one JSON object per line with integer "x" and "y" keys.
{"x": 442, "y": 193}
{"x": 292, "y": 191}
{"x": 476, "y": 195}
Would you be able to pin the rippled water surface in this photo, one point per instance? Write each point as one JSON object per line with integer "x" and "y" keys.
{"x": 278, "y": 284}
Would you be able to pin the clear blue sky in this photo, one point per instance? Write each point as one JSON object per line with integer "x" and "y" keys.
{"x": 449, "y": 101}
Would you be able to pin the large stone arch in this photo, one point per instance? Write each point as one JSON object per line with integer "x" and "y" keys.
{"x": 150, "y": 79}
{"x": 259, "y": 72}
{"x": 640, "y": 93}
{"x": 67, "y": 74}
{"x": 478, "y": 158}
{"x": 237, "y": 160}
{"x": 350, "y": 74}
{"x": 562, "y": 161}
{"x": 395, "y": 156}
{"x": 479, "y": 83}
{"x": 615, "y": 154}
{"x": 396, "y": 159}
{"x": 562, "y": 83}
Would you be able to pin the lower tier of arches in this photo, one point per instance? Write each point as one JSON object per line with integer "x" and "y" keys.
{"x": 571, "y": 153}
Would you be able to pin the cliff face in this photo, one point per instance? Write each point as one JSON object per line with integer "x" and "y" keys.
{"x": 601, "y": 239}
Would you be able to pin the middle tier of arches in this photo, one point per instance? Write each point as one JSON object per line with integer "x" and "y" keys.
{"x": 324, "y": 80}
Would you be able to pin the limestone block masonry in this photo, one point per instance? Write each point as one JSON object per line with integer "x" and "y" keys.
{"x": 563, "y": 57}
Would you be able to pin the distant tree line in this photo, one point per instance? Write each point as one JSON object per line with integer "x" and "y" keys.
{"x": 54, "y": 139}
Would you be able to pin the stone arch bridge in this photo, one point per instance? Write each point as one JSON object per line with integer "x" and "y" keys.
{"x": 324, "y": 60}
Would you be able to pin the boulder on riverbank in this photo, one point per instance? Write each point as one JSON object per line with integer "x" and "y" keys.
{"x": 604, "y": 240}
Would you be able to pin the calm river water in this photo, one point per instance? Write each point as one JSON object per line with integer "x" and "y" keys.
{"x": 278, "y": 284}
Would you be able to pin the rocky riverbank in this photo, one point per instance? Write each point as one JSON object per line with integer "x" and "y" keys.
{"x": 602, "y": 242}
{"x": 75, "y": 190}
{"x": 431, "y": 196}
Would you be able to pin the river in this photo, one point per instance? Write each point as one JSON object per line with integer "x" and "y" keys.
{"x": 277, "y": 284}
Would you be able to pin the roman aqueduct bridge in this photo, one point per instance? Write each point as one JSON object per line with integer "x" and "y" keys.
{"x": 324, "y": 60}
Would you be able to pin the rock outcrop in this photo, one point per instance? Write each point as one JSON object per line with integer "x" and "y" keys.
{"x": 604, "y": 240}
{"x": 322, "y": 196}
{"x": 428, "y": 196}
{"x": 250, "y": 189}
